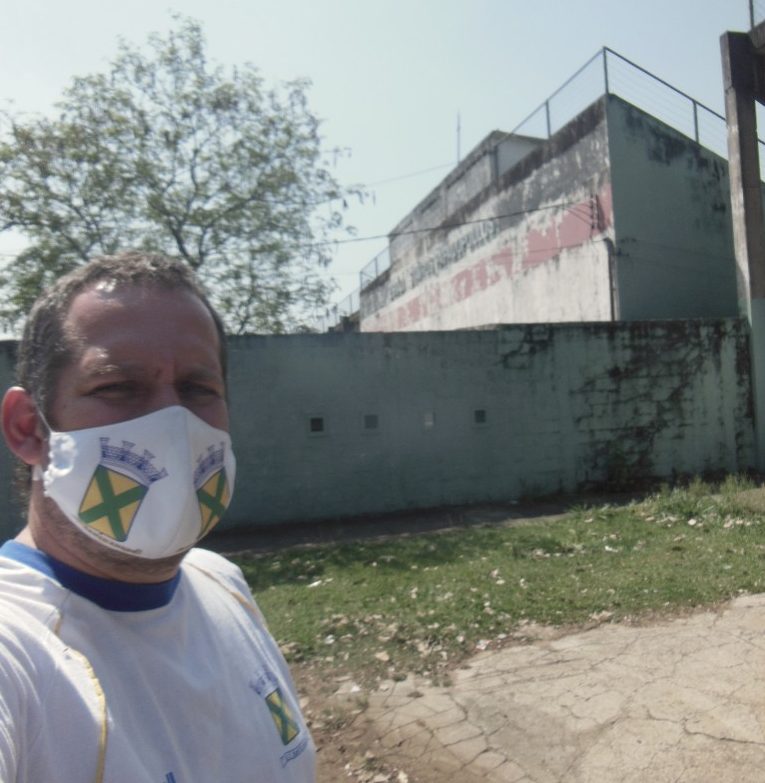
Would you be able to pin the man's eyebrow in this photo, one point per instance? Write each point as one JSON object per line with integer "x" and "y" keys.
{"x": 204, "y": 372}
{"x": 137, "y": 370}
{"x": 95, "y": 370}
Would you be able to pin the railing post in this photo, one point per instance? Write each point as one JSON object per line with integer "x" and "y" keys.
{"x": 696, "y": 121}
{"x": 547, "y": 118}
{"x": 605, "y": 71}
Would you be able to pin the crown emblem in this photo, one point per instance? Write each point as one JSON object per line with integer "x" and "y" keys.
{"x": 208, "y": 464}
{"x": 130, "y": 463}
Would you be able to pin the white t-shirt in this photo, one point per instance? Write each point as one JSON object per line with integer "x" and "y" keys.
{"x": 171, "y": 683}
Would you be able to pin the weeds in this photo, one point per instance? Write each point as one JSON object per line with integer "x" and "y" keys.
{"x": 420, "y": 603}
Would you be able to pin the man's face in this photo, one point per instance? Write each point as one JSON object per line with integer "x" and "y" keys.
{"x": 136, "y": 350}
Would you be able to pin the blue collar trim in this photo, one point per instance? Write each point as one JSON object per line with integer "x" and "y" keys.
{"x": 106, "y": 593}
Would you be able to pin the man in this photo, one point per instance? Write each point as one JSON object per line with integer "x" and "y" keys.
{"x": 126, "y": 656}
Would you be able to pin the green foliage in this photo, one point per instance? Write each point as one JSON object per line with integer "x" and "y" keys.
{"x": 421, "y": 602}
{"x": 167, "y": 153}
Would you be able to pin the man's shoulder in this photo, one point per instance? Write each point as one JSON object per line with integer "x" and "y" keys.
{"x": 28, "y": 643}
{"x": 26, "y": 595}
{"x": 222, "y": 571}
{"x": 206, "y": 560}
{"x": 216, "y": 566}
{"x": 18, "y": 613}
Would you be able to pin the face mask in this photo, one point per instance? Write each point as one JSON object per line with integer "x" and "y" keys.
{"x": 150, "y": 487}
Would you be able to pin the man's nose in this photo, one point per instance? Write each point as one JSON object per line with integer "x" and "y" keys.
{"x": 163, "y": 396}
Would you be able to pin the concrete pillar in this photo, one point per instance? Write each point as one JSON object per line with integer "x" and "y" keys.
{"x": 740, "y": 81}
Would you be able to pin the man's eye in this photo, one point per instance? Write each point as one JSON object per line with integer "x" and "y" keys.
{"x": 119, "y": 389}
{"x": 199, "y": 390}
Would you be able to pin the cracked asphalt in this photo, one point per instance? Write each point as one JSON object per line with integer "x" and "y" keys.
{"x": 682, "y": 700}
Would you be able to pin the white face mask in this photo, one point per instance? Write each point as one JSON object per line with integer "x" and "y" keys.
{"x": 150, "y": 487}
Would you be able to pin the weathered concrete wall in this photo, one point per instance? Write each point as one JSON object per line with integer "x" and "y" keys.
{"x": 429, "y": 419}
{"x": 672, "y": 221}
{"x": 513, "y": 149}
{"x": 531, "y": 246}
{"x": 491, "y": 158}
{"x": 563, "y": 406}
{"x": 616, "y": 217}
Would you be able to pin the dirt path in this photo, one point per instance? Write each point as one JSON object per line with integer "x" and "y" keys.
{"x": 677, "y": 699}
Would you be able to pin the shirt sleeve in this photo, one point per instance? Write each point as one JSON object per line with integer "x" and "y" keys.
{"x": 19, "y": 702}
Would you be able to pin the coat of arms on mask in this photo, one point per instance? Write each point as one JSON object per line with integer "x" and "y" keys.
{"x": 119, "y": 484}
{"x": 211, "y": 487}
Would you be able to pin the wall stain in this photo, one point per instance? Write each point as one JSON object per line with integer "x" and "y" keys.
{"x": 534, "y": 339}
{"x": 649, "y": 395}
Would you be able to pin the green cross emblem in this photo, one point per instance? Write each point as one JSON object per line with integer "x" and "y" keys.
{"x": 104, "y": 507}
{"x": 213, "y": 499}
{"x": 283, "y": 720}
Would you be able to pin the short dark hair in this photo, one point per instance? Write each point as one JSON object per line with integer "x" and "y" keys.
{"x": 44, "y": 349}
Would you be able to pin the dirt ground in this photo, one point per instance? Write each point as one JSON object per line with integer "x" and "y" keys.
{"x": 348, "y": 743}
{"x": 348, "y": 747}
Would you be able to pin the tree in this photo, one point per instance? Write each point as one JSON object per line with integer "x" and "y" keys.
{"x": 166, "y": 153}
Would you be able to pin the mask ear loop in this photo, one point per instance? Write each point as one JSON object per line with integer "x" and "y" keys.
{"x": 37, "y": 471}
{"x": 42, "y": 418}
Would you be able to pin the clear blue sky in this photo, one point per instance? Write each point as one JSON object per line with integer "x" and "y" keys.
{"x": 388, "y": 77}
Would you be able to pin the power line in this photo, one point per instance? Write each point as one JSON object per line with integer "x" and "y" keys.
{"x": 406, "y": 176}
{"x": 445, "y": 226}
{"x": 427, "y": 229}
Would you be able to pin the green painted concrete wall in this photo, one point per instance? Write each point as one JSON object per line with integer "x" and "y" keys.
{"x": 672, "y": 221}
{"x": 565, "y": 407}
{"x": 473, "y": 416}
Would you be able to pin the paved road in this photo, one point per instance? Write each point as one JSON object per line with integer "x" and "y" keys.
{"x": 681, "y": 701}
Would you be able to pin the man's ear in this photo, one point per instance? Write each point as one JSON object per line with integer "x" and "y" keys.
{"x": 21, "y": 426}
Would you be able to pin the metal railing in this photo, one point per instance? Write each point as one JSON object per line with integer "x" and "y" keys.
{"x": 334, "y": 314}
{"x": 608, "y": 72}
{"x": 351, "y": 303}
{"x": 375, "y": 267}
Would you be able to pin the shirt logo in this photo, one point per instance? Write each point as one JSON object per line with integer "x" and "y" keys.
{"x": 268, "y": 686}
{"x": 283, "y": 720}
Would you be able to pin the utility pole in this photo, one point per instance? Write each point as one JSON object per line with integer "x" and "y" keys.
{"x": 744, "y": 77}
{"x": 459, "y": 131}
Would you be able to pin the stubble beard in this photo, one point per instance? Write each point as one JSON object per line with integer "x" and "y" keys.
{"x": 108, "y": 562}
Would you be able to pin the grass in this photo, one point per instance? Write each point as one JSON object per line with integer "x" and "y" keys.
{"x": 420, "y": 602}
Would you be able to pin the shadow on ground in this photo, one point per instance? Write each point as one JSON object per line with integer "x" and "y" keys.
{"x": 266, "y": 538}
